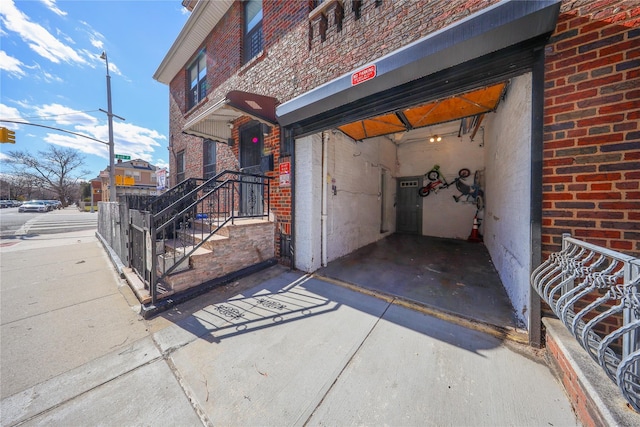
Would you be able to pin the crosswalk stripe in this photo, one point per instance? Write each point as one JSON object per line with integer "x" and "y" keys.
{"x": 44, "y": 224}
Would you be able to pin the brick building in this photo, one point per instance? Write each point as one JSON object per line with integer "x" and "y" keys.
{"x": 135, "y": 177}
{"x": 339, "y": 100}
{"x": 96, "y": 190}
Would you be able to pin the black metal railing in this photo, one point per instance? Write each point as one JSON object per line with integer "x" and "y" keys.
{"x": 186, "y": 217}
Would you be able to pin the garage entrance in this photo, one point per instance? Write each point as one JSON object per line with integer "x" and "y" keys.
{"x": 446, "y": 277}
{"x": 429, "y": 104}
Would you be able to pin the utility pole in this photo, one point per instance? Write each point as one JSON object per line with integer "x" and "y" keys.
{"x": 112, "y": 172}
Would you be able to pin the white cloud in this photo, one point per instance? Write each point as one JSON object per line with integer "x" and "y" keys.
{"x": 11, "y": 65}
{"x": 160, "y": 163}
{"x": 10, "y": 113}
{"x": 51, "y": 5}
{"x": 62, "y": 115}
{"x": 79, "y": 143}
{"x": 129, "y": 139}
{"x": 50, "y": 78}
{"x": 39, "y": 39}
{"x": 98, "y": 44}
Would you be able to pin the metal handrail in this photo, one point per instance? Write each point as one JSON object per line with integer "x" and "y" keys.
{"x": 207, "y": 207}
{"x": 591, "y": 288}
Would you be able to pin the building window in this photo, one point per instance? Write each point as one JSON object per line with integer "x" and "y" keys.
{"x": 252, "y": 29}
{"x": 179, "y": 167}
{"x": 286, "y": 142}
{"x": 209, "y": 159}
{"x": 197, "y": 75}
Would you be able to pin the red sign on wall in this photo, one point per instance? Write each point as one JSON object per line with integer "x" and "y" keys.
{"x": 363, "y": 75}
{"x": 285, "y": 174}
{"x": 285, "y": 168}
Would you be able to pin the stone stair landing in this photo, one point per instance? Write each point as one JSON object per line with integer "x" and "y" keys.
{"x": 245, "y": 243}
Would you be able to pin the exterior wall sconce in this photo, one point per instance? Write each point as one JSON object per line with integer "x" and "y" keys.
{"x": 435, "y": 138}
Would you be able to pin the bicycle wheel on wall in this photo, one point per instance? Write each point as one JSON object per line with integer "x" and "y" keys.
{"x": 423, "y": 191}
{"x": 464, "y": 173}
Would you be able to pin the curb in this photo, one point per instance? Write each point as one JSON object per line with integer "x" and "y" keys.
{"x": 115, "y": 259}
{"x": 596, "y": 398}
{"x": 501, "y": 332}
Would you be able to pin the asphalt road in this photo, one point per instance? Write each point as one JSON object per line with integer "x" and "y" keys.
{"x": 14, "y": 224}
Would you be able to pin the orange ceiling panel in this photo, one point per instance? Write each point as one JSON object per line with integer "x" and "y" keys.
{"x": 376, "y": 126}
{"x": 468, "y": 104}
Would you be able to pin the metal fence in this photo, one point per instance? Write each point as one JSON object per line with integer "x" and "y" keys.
{"x": 164, "y": 231}
{"x": 595, "y": 292}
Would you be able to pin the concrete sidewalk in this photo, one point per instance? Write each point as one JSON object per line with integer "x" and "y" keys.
{"x": 278, "y": 348}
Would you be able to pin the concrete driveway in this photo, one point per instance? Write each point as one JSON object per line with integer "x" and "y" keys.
{"x": 297, "y": 350}
{"x": 276, "y": 348}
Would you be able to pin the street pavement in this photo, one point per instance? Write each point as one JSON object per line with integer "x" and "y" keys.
{"x": 275, "y": 348}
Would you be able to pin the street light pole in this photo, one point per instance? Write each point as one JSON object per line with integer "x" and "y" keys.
{"x": 112, "y": 172}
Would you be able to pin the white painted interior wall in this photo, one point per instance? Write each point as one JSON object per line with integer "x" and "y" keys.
{"x": 354, "y": 208}
{"x": 501, "y": 149}
{"x": 308, "y": 186}
{"x": 507, "y": 232}
{"x": 442, "y": 216}
{"x": 354, "y": 211}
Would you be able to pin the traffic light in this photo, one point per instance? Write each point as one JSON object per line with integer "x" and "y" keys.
{"x": 7, "y": 136}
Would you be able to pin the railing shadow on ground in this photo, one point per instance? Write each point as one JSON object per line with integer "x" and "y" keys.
{"x": 595, "y": 292}
{"x": 294, "y": 296}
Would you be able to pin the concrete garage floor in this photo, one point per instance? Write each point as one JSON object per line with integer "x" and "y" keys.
{"x": 448, "y": 276}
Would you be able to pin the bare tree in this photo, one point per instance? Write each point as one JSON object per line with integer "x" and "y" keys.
{"x": 56, "y": 169}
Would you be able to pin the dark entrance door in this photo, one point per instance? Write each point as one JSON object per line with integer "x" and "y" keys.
{"x": 409, "y": 206}
{"x": 251, "y": 197}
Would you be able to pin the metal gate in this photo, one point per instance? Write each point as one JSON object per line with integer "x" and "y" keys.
{"x": 140, "y": 251}
{"x": 251, "y": 193}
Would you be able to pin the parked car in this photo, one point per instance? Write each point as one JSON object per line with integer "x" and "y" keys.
{"x": 55, "y": 204}
{"x": 34, "y": 206}
{"x": 5, "y": 204}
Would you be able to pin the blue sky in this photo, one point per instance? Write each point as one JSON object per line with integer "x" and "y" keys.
{"x": 51, "y": 74}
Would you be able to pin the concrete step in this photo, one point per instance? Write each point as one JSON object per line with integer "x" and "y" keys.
{"x": 247, "y": 242}
{"x": 186, "y": 241}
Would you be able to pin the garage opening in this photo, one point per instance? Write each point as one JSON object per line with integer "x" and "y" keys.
{"x": 425, "y": 254}
{"x": 347, "y": 152}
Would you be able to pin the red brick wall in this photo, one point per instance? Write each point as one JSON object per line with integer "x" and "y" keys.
{"x": 586, "y": 409}
{"x": 280, "y": 197}
{"x": 591, "y": 136}
{"x": 591, "y": 173}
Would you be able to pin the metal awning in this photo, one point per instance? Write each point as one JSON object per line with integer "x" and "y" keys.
{"x": 214, "y": 122}
{"x": 500, "y": 27}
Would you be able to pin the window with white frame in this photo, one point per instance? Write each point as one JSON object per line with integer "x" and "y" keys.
{"x": 197, "y": 75}
{"x": 252, "y": 29}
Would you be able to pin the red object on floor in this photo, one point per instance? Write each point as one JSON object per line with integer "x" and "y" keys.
{"x": 475, "y": 233}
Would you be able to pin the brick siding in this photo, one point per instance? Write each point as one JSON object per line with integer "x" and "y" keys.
{"x": 586, "y": 409}
{"x": 591, "y": 169}
{"x": 591, "y": 166}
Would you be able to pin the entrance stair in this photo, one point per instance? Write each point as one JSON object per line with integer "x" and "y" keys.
{"x": 199, "y": 234}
